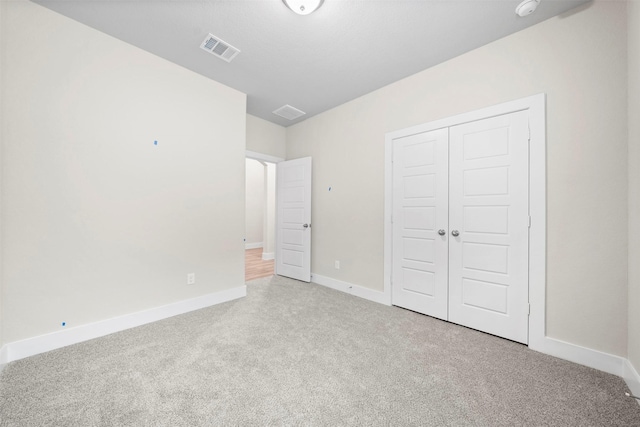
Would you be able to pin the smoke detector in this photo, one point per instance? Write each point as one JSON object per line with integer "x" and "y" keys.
{"x": 215, "y": 46}
{"x": 527, "y": 7}
{"x": 289, "y": 112}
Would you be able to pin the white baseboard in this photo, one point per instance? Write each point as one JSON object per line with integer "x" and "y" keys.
{"x": 43, "y": 343}
{"x": 632, "y": 379}
{"x": 358, "y": 291}
{"x": 582, "y": 355}
{"x": 253, "y": 245}
{"x": 267, "y": 256}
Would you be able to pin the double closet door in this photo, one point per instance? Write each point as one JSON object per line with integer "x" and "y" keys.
{"x": 460, "y": 222}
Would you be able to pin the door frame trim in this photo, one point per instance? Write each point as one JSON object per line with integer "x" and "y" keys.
{"x": 262, "y": 157}
{"x": 537, "y": 200}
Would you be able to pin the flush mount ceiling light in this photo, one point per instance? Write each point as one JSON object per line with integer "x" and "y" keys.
{"x": 527, "y": 7}
{"x": 303, "y": 7}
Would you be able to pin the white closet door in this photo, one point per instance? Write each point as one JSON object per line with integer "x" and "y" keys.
{"x": 419, "y": 269}
{"x": 489, "y": 225}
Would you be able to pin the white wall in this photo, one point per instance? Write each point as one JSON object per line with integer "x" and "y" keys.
{"x": 97, "y": 220}
{"x": 634, "y": 182}
{"x": 255, "y": 203}
{"x": 265, "y": 137}
{"x": 579, "y": 61}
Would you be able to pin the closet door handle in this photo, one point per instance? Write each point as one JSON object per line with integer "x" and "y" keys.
{"x": 442, "y": 232}
{"x": 455, "y": 233}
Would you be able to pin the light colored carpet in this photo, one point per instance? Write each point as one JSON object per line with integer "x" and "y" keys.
{"x": 298, "y": 354}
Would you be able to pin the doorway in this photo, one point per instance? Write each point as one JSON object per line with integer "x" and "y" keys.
{"x": 287, "y": 198}
{"x": 260, "y": 184}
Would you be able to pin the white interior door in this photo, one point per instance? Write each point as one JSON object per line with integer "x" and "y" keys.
{"x": 293, "y": 211}
{"x": 420, "y": 193}
{"x": 489, "y": 225}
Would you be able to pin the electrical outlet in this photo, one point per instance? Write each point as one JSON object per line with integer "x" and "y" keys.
{"x": 337, "y": 265}
{"x": 191, "y": 278}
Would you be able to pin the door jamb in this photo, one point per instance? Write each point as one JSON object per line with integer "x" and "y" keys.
{"x": 537, "y": 200}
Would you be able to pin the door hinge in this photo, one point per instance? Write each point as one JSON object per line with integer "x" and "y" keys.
{"x": 529, "y": 312}
{"x": 391, "y": 219}
{"x": 529, "y": 221}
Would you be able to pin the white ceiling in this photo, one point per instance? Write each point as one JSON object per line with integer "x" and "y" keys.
{"x": 345, "y": 49}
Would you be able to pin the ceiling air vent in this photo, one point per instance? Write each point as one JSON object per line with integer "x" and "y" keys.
{"x": 289, "y": 112}
{"x": 219, "y": 48}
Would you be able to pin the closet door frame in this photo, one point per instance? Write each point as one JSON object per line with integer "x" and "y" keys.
{"x": 535, "y": 105}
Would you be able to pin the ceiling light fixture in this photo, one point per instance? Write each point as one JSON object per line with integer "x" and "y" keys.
{"x": 527, "y": 7}
{"x": 303, "y": 7}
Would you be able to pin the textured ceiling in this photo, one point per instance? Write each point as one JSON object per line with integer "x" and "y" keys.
{"x": 344, "y": 50}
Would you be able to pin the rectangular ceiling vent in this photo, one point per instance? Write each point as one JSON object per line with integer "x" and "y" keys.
{"x": 289, "y": 112}
{"x": 219, "y": 48}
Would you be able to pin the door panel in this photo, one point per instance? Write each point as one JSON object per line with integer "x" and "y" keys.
{"x": 488, "y": 207}
{"x": 419, "y": 269}
{"x": 293, "y": 207}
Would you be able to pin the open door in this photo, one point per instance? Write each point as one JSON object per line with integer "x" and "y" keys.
{"x": 293, "y": 211}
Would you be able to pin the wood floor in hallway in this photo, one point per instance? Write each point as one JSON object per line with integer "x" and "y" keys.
{"x": 254, "y": 266}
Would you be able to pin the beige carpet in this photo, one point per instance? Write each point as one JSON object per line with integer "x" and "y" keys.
{"x": 298, "y": 354}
